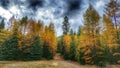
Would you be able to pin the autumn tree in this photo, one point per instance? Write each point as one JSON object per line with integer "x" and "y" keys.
{"x": 49, "y": 42}
{"x": 66, "y": 46}
{"x": 4, "y": 34}
{"x": 109, "y": 39}
{"x": 90, "y": 35}
{"x": 112, "y": 10}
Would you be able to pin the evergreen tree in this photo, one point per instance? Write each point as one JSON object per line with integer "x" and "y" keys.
{"x": 35, "y": 50}
{"x": 9, "y": 48}
{"x": 79, "y": 31}
{"x": 71, "y": 32}
{"x": 2, "y": 24}
{"x": 73, "y": 47}
{"x": 66, "y": 25}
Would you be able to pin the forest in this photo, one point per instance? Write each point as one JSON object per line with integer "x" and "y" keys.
{"x": 95, "y": 43}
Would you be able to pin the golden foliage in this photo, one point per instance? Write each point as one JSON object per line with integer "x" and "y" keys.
{"x": 50, "y": 39}
{"x": 4, "y": 34}
{"x": 66, "y": 42}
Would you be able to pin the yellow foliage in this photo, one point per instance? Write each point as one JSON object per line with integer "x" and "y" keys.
{"x": 66, "y": 42}
{"x": 109, "y": 35}
{"x": 49, "y": 38}
{"x": 4, "y": 34}
{"x": 88, "y": 51}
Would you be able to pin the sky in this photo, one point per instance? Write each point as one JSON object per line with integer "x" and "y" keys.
{"x": 50, "y": 11}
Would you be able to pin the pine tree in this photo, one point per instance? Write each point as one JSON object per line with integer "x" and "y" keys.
{"x": 2, "y": 25}
{"x": 71, "y": 32}
{"x": 79, "y": 31}
{"x": 66, "y": 25}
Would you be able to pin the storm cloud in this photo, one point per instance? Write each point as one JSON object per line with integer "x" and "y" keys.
{"x": 50, "y": 10}
{"x": 5, "y": 3}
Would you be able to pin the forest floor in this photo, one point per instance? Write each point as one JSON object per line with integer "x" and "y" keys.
{"x": 58, "y": 62}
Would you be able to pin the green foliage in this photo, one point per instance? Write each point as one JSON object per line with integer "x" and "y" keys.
{"x": 70, "y": 54}
{"x": 9, "y": 49}
{"x": 46, "y": 52}
{"x": 73, "y": 47}
{"x": 80, "y": 57}
{"x": 65, "y": 54}
{"x": 79, "y": 31}
{"x": 34, "y": 50}
{"x": 71, "y": 32}
{"x": 2, "y": 24}
{"x": 91, "y": 45}
{"x": 99, "y": 57}
{"x": 60, "y": 46}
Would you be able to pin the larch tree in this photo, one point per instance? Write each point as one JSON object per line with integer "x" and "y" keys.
{"x": 91, "y": 28}
{"x": 66, "y": 46}
{"x": 112, "y": 10}
{"x": 49, "y": 42}
{"x": 109, "y": 32}
{"x": 89, "y": 36}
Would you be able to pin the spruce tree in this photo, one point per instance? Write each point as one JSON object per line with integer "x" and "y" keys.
{"x": 9, "y": 48}
{"x": 2, "y": 24}
{"x": 66, "y": 25}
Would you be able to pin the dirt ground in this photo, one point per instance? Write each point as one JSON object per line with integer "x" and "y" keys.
{"x": 47, "y": 64}
{"x": 58, "y": 62}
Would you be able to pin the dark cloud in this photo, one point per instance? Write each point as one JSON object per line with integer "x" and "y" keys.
{"x": 47, "y": 10}
{"x": 35, "y": 4}
{"x": 73, "y": 7}
{"x": 5, "y": 3}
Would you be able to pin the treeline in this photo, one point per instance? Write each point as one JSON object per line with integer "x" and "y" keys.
{"x": 97, "y": 42}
